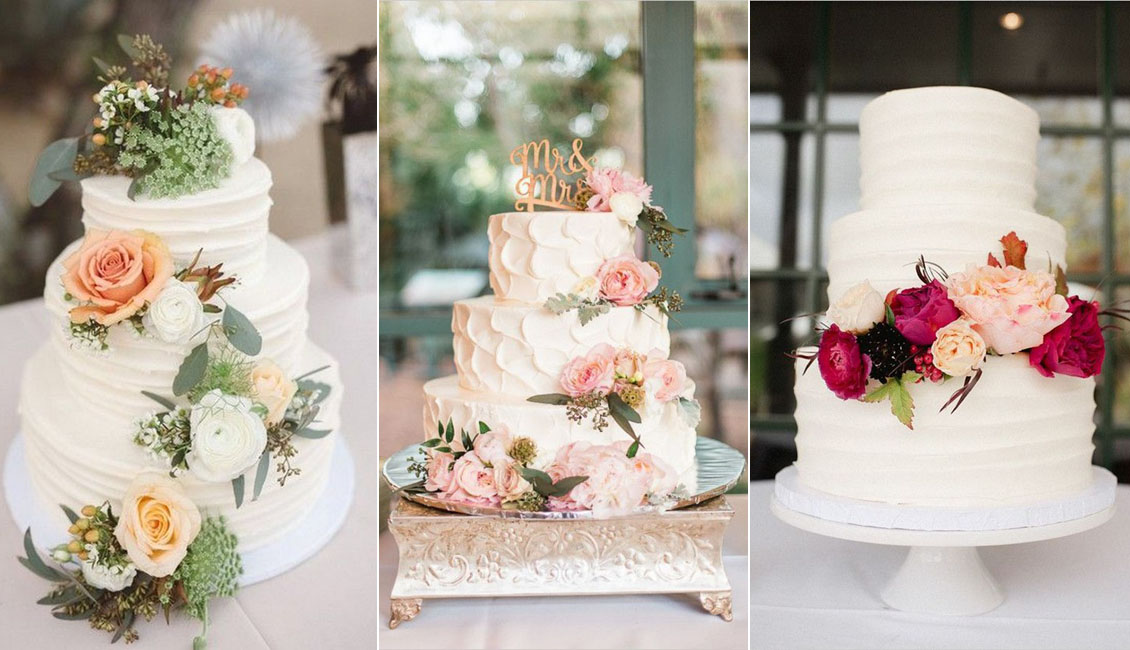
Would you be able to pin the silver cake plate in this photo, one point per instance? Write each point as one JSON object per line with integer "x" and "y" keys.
{"x": 314, "y": 531}
{"x": 718, "y": 467}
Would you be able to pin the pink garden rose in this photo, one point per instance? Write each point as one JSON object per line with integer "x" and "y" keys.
{"x": 669, "y": 376}
{"x": 657, "y": 474}
{"x": 922, "y": 311}
{"x": 594, "y": 372}
{"x": 604, "y": 182}
{"x": 473, "y": 481}
{"x": 614, "y": 485}
{"x": 491, "y": 447}
{"x": 1011, "y": 308}
{"x": 1075, "y": 348}
{"x": 626, "y": 281}
{"x": 114, "y": 274}
{"x": 440, "y": 476}
{"x": 508, "y": 482}
{"x": 843, "y": 365}
{"x": 629, "y": 364}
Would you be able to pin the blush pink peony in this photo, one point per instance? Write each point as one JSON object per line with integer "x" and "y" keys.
{"x": 604, "y": 182}
{"x": 626, "y": 281}
{"x": 616, "y": 484}
{"x": 440, "y": 478}
{"x": 114, "y": 274}
{"x": 670, "y": 378}
{"x": 491, "y": 447}
{"x": 1011, "y": 308}
{"x": 473, "y": 481}
{"x": 594, "y": 372}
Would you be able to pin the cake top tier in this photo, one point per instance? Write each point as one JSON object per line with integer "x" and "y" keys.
{"x": 947, "y": 145}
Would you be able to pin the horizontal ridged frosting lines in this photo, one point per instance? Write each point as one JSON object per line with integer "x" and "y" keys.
{"x": 518, "y": 349}
{"x": 229, "y": 223}
{"x": 536, "y": 255}
{"x": 948, "y": 145}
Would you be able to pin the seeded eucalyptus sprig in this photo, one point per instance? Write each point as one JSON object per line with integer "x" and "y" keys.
{"x": 660, "y": 231}
{"x": 599, "y": 407}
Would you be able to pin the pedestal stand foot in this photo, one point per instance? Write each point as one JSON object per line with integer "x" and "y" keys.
{"x": 717, "y": 603}
{"x": 943, "y": 580}
{"x": 403, "y": 610}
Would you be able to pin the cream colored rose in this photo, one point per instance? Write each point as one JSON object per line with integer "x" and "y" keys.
{"x": 273, "y": 389}
{"x": 858, "y": 309}
{"x": 626, "y": 206}
{"x": 236, "y": 127}
{"x": 959, "y": 349}
{"x": 157, "y": 523}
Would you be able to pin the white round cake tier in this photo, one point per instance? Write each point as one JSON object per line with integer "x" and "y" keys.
{"x": 109, "y": 384}
{"x": 1018, "y": 438}
{"x": 520, "y": 349}
{"x": 663, "y": 434}
{"x": 76, "y": 457}
{"x": 536, "y": 255}
{"x": 229, "y": 222}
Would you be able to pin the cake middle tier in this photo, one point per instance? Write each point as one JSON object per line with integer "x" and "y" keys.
{"x": 519, "y": 349}
{"x": 663, "y": 434}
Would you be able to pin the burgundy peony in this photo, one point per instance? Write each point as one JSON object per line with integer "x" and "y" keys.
{"x": 842, "y": 365}
{"x": 922, "y": 311}
{"x": 1074, "y": 348}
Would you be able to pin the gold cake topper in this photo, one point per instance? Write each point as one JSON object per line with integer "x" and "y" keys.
{"x": 544, "y": 173}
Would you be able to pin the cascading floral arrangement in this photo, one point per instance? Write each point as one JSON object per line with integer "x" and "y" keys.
{"x": 876, "y": 346}
{"x": 157, "y": 555}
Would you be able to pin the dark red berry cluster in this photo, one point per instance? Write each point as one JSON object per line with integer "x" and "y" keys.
{"x": 924, "y": 364}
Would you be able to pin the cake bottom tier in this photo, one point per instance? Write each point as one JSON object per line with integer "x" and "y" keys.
{"x": 664, "y": 435}
{"x": 73, "y": 460}
{"x": 1019, "y": 437}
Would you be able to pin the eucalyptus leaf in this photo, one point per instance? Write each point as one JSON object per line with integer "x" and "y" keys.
{"x": 617, "y": 404}
{"x": 311, "y": 373}
{"x": 125, "y": 42}
{"x": 57, "y": 156}
{"x": 562, "y": 487}
{"x": 465, "y": 438}
{"x": 240, "y": 332}
{"x": 163, "y": 401}
{"x": 557, "y": 399}
{"x": 134, "y": 187}
{"x": 81, "y": 616}
{"x": 68, "y": 174}
{"x": 71, "y": 514}
{"x": 261, "y": 474}
{"x": 102, "y": 65}
{"x": 237, "y": 489}
{"x": 127, "y": 621}
{"x": 68, "y": 596}
{"x": 192, "y": 370}
{"x": 313, "y": 434}
{"x": 633, "y": 449}
{"x": 34, "y": 562}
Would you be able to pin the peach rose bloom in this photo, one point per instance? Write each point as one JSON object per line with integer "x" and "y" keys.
{"x": 959, "y": 349}
{"x": 272, "y": 388}
{"x": 157, "y": 523}
{"x": 595, "y": 371}
{"x": 509, "y": 482}
{"x": 1010, "y": 308}
{"x": 114, "y": 274}
{"x": 626, "y": 281}
{"x": 670, "y": 378}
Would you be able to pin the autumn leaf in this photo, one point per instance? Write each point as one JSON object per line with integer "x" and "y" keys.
{"x": 993, "y": 261}
{"x": 1015, "y": 250}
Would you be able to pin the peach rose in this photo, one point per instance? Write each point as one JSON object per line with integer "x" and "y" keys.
{"x": 508, "y": 482}
{"x": 272, "y": 388}
{"x": 1010, "y": 308}
{"x": 157, "y": 523}
{"x": 626, "y": 281}
{"x": 670, "y": 378}
{"x": 629, "y": 365}
{"x": 440, "y": 477}
{"x": 595, "y": 371}
{"x": 114, "y": 274}
{"x": 958, "y": 349}
{"x": 474, "y": 481}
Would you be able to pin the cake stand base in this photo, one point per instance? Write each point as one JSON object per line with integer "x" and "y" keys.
{"x": 315, "y": 530}
{"x": 943, "y": 572}
{"x": 450, "y": 555}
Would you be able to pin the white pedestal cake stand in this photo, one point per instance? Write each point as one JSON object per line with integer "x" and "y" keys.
{"x": 943, "y": 572}
{"x": 315, "y": 530}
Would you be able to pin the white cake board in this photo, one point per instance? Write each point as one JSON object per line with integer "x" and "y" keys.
{"x": 943, "y": 572}
{"x": 315, "y": 530}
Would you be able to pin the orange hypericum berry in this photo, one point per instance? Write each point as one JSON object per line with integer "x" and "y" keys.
{"x": 243, "y": 92}
{"x": 98, "y": 139}
{"x": 229, "y": 104}
{"x": 210, "y": 77}
{"x": 97, "y": 122}
{"x": 193, "y": 80}
{"x": 142, "y": 85}
{"x": 218, "y": 94}
{"x": 226, "y": 73}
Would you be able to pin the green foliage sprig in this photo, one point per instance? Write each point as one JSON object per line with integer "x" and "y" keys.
{"x": 599, "y": 407}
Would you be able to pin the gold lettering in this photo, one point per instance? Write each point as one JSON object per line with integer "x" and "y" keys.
{"x": 539, "y": 184}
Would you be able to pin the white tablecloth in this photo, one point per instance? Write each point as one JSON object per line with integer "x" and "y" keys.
{"x": 810, "y": 591}
{"x": 652, "y": 621}
{"x": 327, "y": 602}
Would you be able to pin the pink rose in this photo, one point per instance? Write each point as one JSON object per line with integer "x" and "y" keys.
{"x": 473, "y": 481}
{"x": 440, "y": 477}
{"x": 1075, "y": 348}
{"x": 659, "y": 477}
{"x": 594, "y": 372}
{"x": 843, "y": 365}
{"x": 604, "y": 182}
{"x": 616, "y": 485}
{"x": 509, "y": 482}
{"x": 491, "y": 447}
{"x": 670, "y": 378}
{"x": 626, "y": 281}
{"x": 114, "y": 274}
{"x": 629, "y": 365}
{"x": 922, "y": 311}
{"x": 1011, "y": 308}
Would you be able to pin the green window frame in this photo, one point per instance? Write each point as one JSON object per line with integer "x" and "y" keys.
{"x": 1107, "y": 432}
{"x": 668, "y": 74}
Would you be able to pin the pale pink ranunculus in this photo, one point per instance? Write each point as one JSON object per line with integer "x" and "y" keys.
{"x": 440, "y": 478}
{"x": 604, "y": 182}
{"x": 491, "y": 447}
{"x": 1011, "y": 308}
{"x": 670, "y": 377}
{"x": 625, "y": 280}
{"x": 114, "y": 274}
{"x": 594, "y": 372}
{"x": 473, "y": 481}
{"x": 508, "y": 482}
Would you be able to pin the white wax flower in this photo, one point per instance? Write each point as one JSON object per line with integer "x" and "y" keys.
{"x": 238, "y": 129}
{"x": 626, "y": 206}
{"x": 227, "y": 437}
{"x": 176, "y": 315}
{"x": 110, "y": 578}
{"x": 858, "y": 309}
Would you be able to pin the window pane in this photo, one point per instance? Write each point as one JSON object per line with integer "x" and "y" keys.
{"x": 766, "y": 175}
{"x": 1051, "y": 61}
{"x": 782, "y": 37}
{"x": 1069, "y": 189}
{"x": 1121, "y": 351}
{"x": 721, "y": 157}
{"x": 772, "y": 336}
{"x": 462, "y": 84}
{"x": 1122, "y": 204}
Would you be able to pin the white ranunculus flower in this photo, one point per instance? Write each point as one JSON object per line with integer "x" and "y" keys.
{"x": 858, "y": 309}
{"x": 227, "y": 437}
{"x": 626, "y": 206}
{"x": 176, "y": 315}
{"x": 113, "y": 578}
{"x": 238, "y": 129}
{"x": 273, "y": 389}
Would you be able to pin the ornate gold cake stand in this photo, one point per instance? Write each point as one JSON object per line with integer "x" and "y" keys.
{"x": 451, "y": 555}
